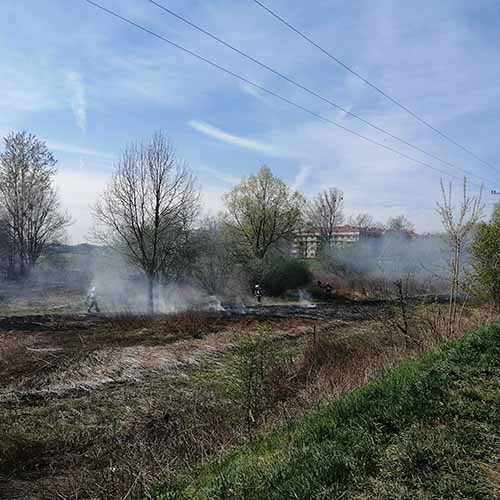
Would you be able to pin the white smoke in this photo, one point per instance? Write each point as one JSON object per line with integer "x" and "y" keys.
{"x": 425, "y": 260}
{"x": 123, "y": 289}
{"x": 305, "y": 299}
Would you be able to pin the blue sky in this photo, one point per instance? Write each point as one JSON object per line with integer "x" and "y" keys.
{"x": 88, "y": 84}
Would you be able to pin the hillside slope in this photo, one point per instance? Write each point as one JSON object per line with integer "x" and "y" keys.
{"x": 430, "y": 430}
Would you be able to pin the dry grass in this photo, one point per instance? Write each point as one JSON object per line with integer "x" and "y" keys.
{"x": 334, "y": 364}
{"x": 118, "y": 440}
{"x": 59, "y": 343}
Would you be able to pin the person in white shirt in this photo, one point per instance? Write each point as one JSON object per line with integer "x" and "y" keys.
{"x": 92, "y": 300}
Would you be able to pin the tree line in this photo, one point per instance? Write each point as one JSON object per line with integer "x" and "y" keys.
{"x": 150, "y": 214}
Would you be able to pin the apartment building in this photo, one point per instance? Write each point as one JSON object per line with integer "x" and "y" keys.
{"x": 307, "y": 244}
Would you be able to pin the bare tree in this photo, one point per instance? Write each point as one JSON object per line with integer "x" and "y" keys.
{"x": 6, "y": 247}
{"x": 148, "y": 209}
{"x": 361, "y": 220}
{"x": 325, "y": 212}
{"x": 262, "y": 212}
{"x": 214, "y": 264}
{"x": 458, "y": 227}
{"x": 29, "y": 200}
{"x": 400, "y": 223}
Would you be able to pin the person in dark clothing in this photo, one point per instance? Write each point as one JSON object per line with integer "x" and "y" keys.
{"x": 327, "y": 289}
{"x": 258, "y": 293}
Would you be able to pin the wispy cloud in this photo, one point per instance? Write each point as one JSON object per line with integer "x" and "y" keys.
{"x": 77, "y": 150}
{"x": 77, "y": 98}
{"x": 236, "y": 140}
{"x": 219, "y": 175}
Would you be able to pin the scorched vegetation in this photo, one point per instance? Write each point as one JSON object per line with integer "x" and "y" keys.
{"x": 104, "y": 407}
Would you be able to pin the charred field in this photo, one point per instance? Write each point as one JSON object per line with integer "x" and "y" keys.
{"x": 105, "y": 406}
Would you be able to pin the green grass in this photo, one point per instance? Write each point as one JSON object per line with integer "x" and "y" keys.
{"x": 431, "y": 429}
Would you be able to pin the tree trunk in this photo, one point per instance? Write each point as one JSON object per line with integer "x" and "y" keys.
{"x": 22, "y": 267}
{"x": 11, "y": 272}
{"x": 151, "y": 284}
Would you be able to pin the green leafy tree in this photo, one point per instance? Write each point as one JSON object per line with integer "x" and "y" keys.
{"x": 486, "y": 254}
{"x": 262, "y": 213}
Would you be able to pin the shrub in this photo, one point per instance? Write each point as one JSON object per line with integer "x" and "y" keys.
{"x": 486, "y": 253}
{"x": 285, "y": 273}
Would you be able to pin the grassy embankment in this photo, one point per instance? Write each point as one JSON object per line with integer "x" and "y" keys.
{"x": 431, "y": 429}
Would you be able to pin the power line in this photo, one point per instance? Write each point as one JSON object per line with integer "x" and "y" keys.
{"x": 374, "y": 87}
{"x": 267, "y": 91}
{"x": 312, "y": 92}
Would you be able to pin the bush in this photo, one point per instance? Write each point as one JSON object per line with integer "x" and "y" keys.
{"x": 285, "y": 273}
{"x": 486, "y": 254}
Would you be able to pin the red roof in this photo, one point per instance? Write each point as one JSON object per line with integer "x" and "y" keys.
{"x": 347, "y": 229}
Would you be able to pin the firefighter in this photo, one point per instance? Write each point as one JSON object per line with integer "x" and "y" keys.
{"x": 258, "y": 292}
{"x": 327, "y": 289}
{"x": 92, "y": 300}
